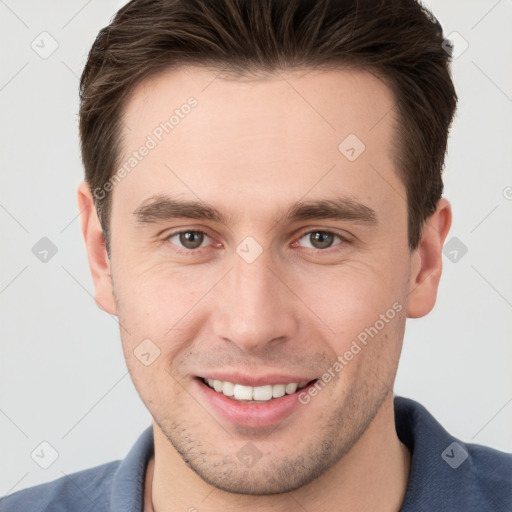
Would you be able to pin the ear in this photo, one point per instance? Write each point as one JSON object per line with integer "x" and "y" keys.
{"x": 428, "y": 261}
{"x": 99, "y": 261}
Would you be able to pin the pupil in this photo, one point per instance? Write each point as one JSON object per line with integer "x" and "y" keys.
{"x": 321, "y": 240}
{"x": 191, "y": 239}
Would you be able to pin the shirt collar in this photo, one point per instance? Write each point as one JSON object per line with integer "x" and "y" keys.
{"x": 127, "y": 491}
{"x": 433, "y": 483}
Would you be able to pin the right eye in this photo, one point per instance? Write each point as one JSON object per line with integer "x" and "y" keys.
{"x": 188, "y": 239}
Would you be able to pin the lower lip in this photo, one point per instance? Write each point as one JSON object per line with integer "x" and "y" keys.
{"x": 245, "y": 414}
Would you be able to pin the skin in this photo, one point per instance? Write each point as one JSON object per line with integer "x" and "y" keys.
{"x": 251, "y": 148}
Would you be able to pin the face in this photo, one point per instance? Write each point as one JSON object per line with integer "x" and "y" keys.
{"x": 290, "y": 266}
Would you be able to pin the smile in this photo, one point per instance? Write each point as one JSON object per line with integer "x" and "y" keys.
{"x": 254, "y": 394}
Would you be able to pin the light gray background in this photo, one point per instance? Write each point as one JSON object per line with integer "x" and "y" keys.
{"x": 63, "y": 375}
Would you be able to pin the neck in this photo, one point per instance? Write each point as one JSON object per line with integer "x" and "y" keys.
{"x": 372, "y": 476}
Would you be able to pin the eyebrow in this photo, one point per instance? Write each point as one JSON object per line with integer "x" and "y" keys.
{"x": 163, "y": 208}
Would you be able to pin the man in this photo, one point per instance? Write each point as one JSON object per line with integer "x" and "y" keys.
{"x": 262, "y": 211}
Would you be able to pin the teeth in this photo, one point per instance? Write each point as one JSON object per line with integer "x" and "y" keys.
{"x": 291, "y": 388}
{"x": 228, "y": 388}
{"x": 242, "y": 392}
{"x": 262, "y": 392}
{"x": 258, "y": 393}
{"x": 278, "y": 390}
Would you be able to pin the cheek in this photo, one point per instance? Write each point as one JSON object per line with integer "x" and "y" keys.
{"x": 366, "y": 335}
{"x": 159, "y": 319}
{"x": 353, "y": 297}
{"x": 364, "y": 308}
{"x": 155, "y": 299}
{"x": 157, "y": 385}
{"x": 366, "y": 358}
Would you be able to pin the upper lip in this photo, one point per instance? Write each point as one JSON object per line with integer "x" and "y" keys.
{"x": 254, "y": 381}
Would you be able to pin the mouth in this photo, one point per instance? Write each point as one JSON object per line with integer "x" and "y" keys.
{"x": 268, "y": 402}
{"x": 254, "y": 407}
{"x": 255, "y": 394}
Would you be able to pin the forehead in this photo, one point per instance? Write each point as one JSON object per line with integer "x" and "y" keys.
{"x": 330, "y": 100}
{"x": 286, "y": 131}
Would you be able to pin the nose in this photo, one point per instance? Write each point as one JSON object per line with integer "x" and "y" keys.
{"x": 255, "y": 305}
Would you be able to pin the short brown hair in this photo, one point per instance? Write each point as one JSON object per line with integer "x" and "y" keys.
{"x": 400, "y": 41}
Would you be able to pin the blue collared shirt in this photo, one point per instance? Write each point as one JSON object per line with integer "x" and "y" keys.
{"x": 446, "y": 475}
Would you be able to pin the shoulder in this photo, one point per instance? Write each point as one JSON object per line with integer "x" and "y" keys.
{"x": 81, "y": 491}
{"x": 446, "y": 473}
{"x": 491, "y": 471}
{"x": 116, "y": 485}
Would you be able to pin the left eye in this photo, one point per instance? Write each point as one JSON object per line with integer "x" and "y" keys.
{"x": 189, "y": 239}
{"x": 320, "y": 239}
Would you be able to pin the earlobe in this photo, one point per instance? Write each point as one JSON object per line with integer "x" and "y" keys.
{"x": 99, "y": 261}
{"x": 428, "y": 262}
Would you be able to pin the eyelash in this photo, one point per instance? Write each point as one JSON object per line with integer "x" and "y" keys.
{"x": 343, "y": 240}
